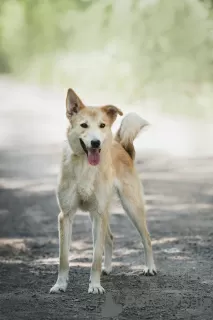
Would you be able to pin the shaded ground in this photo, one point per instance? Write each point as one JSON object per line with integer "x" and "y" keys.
{"x": 179, "y": 196}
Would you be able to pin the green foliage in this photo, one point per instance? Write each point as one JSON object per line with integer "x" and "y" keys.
{"x": 137, "y": 47}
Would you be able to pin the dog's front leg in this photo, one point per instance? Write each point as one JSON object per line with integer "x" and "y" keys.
{"x": 98, "y": 241}
{"x": 65, "y": 233}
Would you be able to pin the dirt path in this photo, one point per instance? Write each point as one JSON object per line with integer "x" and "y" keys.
{"x": 179, "y": 195}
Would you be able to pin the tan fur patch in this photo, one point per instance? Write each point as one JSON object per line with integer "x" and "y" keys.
{"x": 121, "y": 160}
{"x": 111, "y": 112}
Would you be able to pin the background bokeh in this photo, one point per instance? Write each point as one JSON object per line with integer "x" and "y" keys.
{"x": 155, "y": 49}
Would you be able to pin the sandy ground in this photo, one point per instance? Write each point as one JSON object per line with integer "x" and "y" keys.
{"x": 179, "y": 195}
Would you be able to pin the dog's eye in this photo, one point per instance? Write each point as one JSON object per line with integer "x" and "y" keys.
{"x": 84, "y": 125}
{"x": 102, "y": 125}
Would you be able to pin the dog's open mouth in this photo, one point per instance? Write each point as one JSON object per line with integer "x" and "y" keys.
{"x": 93, "y": 154}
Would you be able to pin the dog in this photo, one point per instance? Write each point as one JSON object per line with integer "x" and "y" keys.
{"x": 94, "y": 165}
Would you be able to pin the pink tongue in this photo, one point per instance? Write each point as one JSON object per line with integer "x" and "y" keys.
{"x": 93, "y": 157}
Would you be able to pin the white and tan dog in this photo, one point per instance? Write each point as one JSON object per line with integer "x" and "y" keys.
{"x": 94, "y": 164}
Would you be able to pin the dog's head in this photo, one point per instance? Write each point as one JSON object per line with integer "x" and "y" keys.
{"x": 90, "y": 128}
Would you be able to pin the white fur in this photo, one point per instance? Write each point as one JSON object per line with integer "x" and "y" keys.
{"x": 130, "y": 127}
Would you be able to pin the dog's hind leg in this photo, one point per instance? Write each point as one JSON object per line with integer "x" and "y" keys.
{"x": 108, "y": 248}
{"x": 131, "y": 196}
{"x": 65, "y": 233}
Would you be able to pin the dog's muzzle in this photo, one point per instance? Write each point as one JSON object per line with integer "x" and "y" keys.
{"x": 93, "y": 154}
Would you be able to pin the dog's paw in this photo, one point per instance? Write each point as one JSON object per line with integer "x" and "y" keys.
{"x": 149, "y": 271}
{"x": 106, "y": 270}
{"x": 96, "y": 289}
{"x": 59, "y": 287}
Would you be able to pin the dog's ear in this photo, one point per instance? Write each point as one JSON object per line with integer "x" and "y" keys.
{"x": 73, "y": 103}
{"x": 112, "y": 112}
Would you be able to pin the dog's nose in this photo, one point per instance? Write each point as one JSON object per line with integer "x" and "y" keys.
{"x": 95, "y": 143}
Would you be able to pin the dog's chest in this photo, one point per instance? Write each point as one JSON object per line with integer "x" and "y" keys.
{"x": 93, "y": 186}
{"x": 86, "y": 180}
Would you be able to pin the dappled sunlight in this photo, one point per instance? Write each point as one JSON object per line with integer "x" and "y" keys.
{"x": 14, "y": 245}
{"x": 79, "y": 263}
{"x": 35, "y": 185}
{"x": 124, "y": 251}
{"x": 180, "y": 258}
{"x": 172, "y": 250}
{"x": 181, "y": 207}
{"x": 164, "y": 240}
{"x": 176, "y": 176}
{"x": 80, "y": 245}
{"x": 161, "y": 198}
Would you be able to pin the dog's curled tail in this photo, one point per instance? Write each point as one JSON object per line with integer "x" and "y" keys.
{"x": 130, "y": 127}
